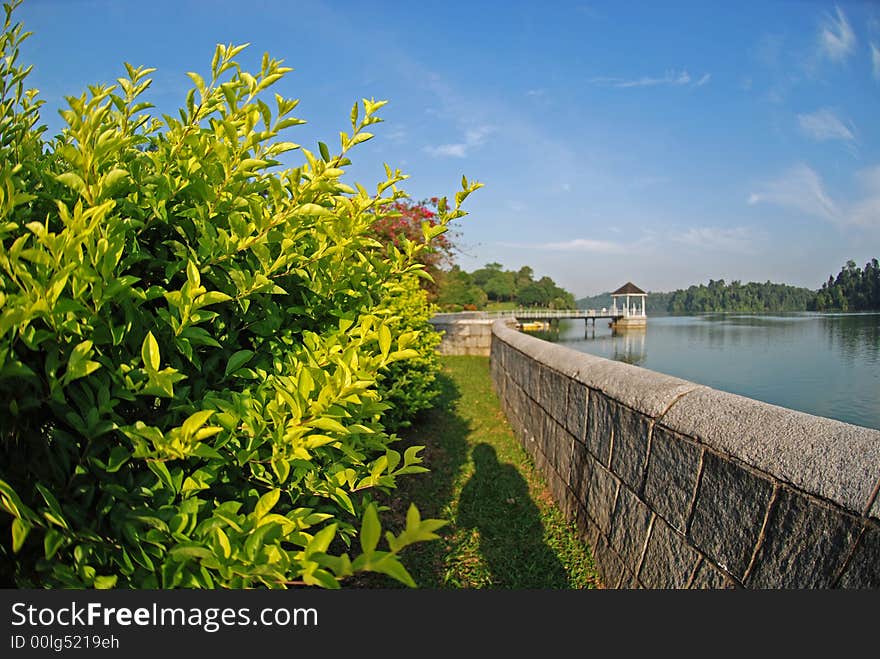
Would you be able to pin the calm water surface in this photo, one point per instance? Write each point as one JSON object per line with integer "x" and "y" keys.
{"x": 824, "y": 364}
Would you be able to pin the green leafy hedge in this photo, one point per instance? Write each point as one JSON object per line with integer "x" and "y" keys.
{"x": 191, "y": 339}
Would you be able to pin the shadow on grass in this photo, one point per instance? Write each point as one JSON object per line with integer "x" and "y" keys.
{"x": 496, "y": 502}
{"x": 495, "y": 535}
{"x": 443, "y": 433}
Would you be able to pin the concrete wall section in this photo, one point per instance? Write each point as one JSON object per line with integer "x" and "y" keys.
{"x": 676, "y": 485}
{"x": 465, "y": 333}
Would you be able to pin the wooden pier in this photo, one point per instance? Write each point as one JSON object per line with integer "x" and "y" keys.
{"x": 555, "y": 315}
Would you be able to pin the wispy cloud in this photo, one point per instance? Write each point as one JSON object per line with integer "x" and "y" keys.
{"x": 575, "y": 245}
{"x": 824, "y": 125}
{"x": 875, "y": 61}
{"x": 671, "y": 78}
{"x": 837, "y": 40}
{"x": 736, "y": 239}
{"x": 536, "y": 92}
{"x": 473, "y": 137}
{"x": 799, "y": 188}
{"x": 866, "y": 211}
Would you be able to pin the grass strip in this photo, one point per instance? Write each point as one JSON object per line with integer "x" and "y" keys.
{"x": 505, "y": 531}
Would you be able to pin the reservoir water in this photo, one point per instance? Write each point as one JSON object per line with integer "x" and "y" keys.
{"x": 823, "y": 364}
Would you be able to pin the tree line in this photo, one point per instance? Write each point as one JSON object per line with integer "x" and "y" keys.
{"x": 853, "y": 289}
{"x": 459, "y": 290}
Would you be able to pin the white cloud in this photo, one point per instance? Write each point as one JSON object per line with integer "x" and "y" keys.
{"x": 536, "y": 92}
{"x": 473, "y": 137}
{"x": 875, "y": 61}
{"x": 824, "y": 125}
{"x": 576, "y": 245}
{"x": 672, "y": 78}
{"x": 458, "y": 150}
{"x": 735, "y": 239}
{"x": 836, "y": 39}
{"x": 800, "y": 188}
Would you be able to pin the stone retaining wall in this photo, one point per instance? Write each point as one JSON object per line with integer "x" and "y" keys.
{"x": 464, "y": 333}
{"x": 677, "y": 485}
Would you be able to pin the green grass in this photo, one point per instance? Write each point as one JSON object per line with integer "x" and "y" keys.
{"x": 504, "y": 531}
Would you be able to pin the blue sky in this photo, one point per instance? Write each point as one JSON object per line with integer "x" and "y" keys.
{"x": 662, "y": 143}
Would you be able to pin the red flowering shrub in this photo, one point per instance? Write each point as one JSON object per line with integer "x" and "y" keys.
{"x": 403, "y": 221}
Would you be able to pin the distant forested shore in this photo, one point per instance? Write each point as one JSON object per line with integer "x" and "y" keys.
{"x": 492, "y": 286}
{"x": 853, "y": 289}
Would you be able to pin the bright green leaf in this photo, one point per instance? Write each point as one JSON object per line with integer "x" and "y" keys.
{"x": 370, "y": 529}
{"x": 150, "y": 352}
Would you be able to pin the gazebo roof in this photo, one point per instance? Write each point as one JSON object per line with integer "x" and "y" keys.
{"x": 629, "y": 289}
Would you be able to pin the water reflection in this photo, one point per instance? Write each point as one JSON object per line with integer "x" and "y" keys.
{"x": 629, "y": 345}
{"x": 824, "y": 364}
{"x": 856, "y": 337}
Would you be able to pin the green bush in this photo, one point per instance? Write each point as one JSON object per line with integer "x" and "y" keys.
{"x": 191, "y": 340}
{"x": 410, "y": 386}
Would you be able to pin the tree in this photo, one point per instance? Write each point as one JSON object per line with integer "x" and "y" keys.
{"x": 457, "y": 290}
{"x": 411, "y": 221}
{"x": 498, "y": 284}
{"x": 853, "y": 289}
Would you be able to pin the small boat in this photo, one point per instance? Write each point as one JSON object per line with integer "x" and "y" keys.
{"x": 533, "y": 326}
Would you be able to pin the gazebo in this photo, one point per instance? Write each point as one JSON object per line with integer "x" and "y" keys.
{"x": 628, "y": 302}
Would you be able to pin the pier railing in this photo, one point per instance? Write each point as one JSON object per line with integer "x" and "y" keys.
{"x": 553, "y": 314}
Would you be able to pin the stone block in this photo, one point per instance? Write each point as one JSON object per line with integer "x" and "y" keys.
{"x": 602, "y": 498}
{"x": 575, "y": 420}
{"x": 608, "y": 563}
{"x": 629, "y": 528}
{"x": 558, "y": 445}
{"x": 580, "y": 471}
{"x": 558, "y": 489}
{"x": 709, "y": 577}
{"x": 600, "y": 426}
{"x": 627, "y": 580}
{"x": 499, "y": 380}
{"x": 565, "y": 454}
{"x": 834, "y": 460}
{"x": 669, "y": 559}
{"x": 533, "y": 420}
{"x": 729, "y": 512}
{"x": 629, "y": 452}
{"x": 541, "y": 462}
{"x": 548, "y": 436}
{"x": 588, "y": 531}
{"x": 805, "y": 544}
{"x": 569, "y": 505}
{"x": 519, "y": 369}
{"x": 672, "y": 475}
{"x": 863, "y": 569}
{"x": 552, "y": 392}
